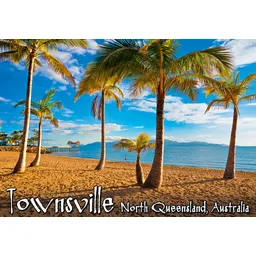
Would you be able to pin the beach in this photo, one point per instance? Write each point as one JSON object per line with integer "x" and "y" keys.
{"x": 62, "y": 177}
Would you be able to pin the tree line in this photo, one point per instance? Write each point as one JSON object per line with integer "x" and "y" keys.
{"x": 15, "y": 138}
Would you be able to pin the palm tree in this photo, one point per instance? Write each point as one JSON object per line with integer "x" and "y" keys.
{"x": 34, "y": 139}
{"x": 16, "y": 137}
{"x": 153, "y": 65}
{"x": 108, "y": 90}
{"x": 43, "y": 110}
{"x": 235, "y": 94}
{"x": 141, "y": 144}
{"x": 33, "y": 52}
{"x": 3, "y": 138}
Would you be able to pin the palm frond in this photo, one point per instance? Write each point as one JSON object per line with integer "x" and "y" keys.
{"x": 111, "y": 95}
{"x": 20, "y": 103}
{"x": 184, "y": 84}
{"x": 127, "y": 144}
{"x": 207, "y": 61}
{"x": 54, "y": 122}
{"x": 247, "y": 80}
{"x": 116, "y": 58}
{"x": 56, "y": 104}
{"x": 34, "y": 112}
{"x": 48, "y": 96}
{"x": 222, "y": 103}
{"x": 58, "y": 67}
{"x": 142, "y": 140}
{"x": 151, "y": 145}
{"x": 54, "y": 43}
{"x": 96, "y": 107}
{"x": 248, "y": 98}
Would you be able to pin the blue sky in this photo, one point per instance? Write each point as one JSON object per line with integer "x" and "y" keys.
{"x": 184, "y": 120}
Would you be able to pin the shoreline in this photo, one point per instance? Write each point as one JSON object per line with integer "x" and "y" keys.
{"x": 145, "y": 163}
{"x": 64, "y": 176}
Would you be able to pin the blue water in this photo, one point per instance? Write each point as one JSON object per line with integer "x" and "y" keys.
{"x": 180, "y": 154}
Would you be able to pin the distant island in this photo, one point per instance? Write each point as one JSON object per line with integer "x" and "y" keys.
{"x": 74, "y": 143}
{"x": 169, "y": 142}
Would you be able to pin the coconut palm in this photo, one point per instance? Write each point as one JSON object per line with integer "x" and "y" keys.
{"x": 43, "y": 110}
{"x": 3, "y": 138}
{"x": 35, "y": 52}
{"x": 16, "y": 137}
{"x": 141, "y": 144}
{"x": 34, "y": 139}
{"x": 104, "y": 92}
{"x": 235, "y": 94}
{"x": 153, "y": 65}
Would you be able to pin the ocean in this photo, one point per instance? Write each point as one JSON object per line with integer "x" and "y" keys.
{"x": 179, "y": 154}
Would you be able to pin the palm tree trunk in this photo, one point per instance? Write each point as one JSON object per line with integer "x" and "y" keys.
{"x": 154, "y": 179}
{"x": 101, "y": 163}
{"x": 36, "y": 161}
{"x": 21, "y": 164}
{"x": 139, "y": 171}
{"x": 230, "y": 166}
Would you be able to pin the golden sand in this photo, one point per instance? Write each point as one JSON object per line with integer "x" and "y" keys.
{"x": 60, "y": 177}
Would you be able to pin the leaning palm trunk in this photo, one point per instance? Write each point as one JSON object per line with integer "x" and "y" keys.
{"x": 36, "y": 162}
{"x": 230, "y": 166}
{"x": 154, "y": 179}
{"x": 139, "y": 171}
{"x": 101, "y": 163}
{"x": 21, "y": 164}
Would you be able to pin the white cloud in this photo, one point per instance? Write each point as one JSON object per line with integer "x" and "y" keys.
{"x": 92, "y": 46}
{"x": 4, "y": 100}
{"x": 176, "y": 110}
{"x": 244, "y": 50}
{"x": 65, "y": 57}
{"x": 62, "y": 88}
{"x": 66, "y": 132}
{"x": 21, "y": 122}
{"x": 20, "y": 66}
{"x": 70, "y": 127}
{"x": 211, "y": 126}
{"x": 139, "y": 127}
{"x": 50, "y": 74}
{"x": 251, "y": 104}
{"x": 169, "y": 137}
{"x": 67, "y": 112}
{"x": 113, "y": 138}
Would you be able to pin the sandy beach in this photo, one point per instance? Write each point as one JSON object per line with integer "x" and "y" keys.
{"x": 62, "y": 177}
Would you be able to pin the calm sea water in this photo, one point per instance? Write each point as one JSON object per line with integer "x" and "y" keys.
{"x": 211, "y": 156}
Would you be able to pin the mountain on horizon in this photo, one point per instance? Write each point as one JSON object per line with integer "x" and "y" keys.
{"x": 167, "y": 143}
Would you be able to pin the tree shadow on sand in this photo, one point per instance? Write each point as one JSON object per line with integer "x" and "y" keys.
{"x": 6, "y": 174}
{"x": 194, "y": 182}
{"x": 123, "y": 190}
{"x": 86, "y": 191}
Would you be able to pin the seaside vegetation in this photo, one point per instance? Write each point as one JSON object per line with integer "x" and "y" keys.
{"x": 152, "y": 65}
{"x": 34, "y": 139}
{"x": 43, "y": 110}
{"x": 34, "y": 52}
{"x": 11, "y": 144}
{"x": 105, "y": 90}
{"x": 141, "y": 144}
{"x": 14, "y": 138}
{"x": 234, "y": 95}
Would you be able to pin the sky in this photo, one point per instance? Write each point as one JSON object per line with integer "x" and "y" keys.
{"x": 184, "y": 120}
